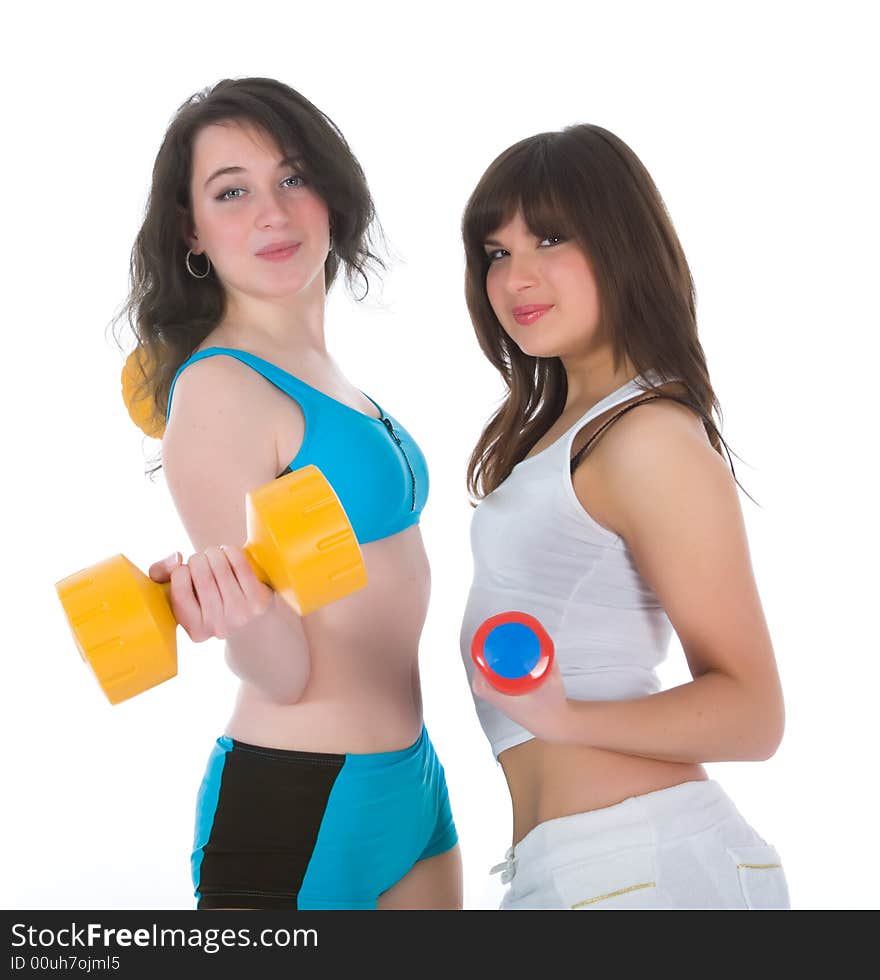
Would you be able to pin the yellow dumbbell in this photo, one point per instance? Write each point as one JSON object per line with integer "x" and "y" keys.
{"x": 137, "y": 399}
{"x": 300, "y": 543}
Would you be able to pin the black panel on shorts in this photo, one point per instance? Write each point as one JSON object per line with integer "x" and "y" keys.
{"x": 271, "y": 805}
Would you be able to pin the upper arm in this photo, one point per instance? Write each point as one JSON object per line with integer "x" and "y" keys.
{"x": 673, "y": 500}
{"x": 218, "y": 445}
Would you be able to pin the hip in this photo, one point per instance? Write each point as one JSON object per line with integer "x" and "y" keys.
{"x": 684, "y": 847}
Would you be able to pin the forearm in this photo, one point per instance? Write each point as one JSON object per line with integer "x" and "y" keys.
{"x": 271, "y": 653}
{"x": 714, "y": 718}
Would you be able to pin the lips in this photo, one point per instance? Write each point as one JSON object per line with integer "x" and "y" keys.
{"x": 524, "y": 315}
{"x": 278, "y": 250}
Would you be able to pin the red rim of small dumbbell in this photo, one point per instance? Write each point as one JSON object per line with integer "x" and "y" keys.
{"x": 513, "y": 685}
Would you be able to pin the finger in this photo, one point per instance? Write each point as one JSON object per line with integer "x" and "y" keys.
{"x": 185, "y": 604}
{"x": 208, "y": 594}
{"x": 480, "y": 686}
{"x": 257, "y": 594}
{"x": 235, "y": 611}
{"x": 160, "y": 571}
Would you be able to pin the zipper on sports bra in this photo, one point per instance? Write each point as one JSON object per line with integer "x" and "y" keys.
{"x": 387, "y": 423}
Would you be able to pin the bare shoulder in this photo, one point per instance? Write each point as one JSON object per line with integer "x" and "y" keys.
{"x": 222, "y": 407}
{"x": 655, "y": 455}
{"x": 660, "y": 421}
{"x": 218, "y": 445}
{"x": 214, "y": 385}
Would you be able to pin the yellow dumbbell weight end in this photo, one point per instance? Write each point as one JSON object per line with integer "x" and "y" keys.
{"x": 300, "y": 542}
{"x": 139, "y": 404}
{"x": 300, "y": 536}
{"x": 123, "y": 626}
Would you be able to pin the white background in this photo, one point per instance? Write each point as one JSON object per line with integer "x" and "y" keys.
{"x": 758, "y": 124}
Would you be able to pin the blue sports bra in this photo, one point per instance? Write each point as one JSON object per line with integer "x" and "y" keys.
{"x": 374, "y": 465}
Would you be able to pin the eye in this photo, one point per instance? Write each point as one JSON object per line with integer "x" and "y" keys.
{"x": 553, "y": 240}
{"x": 234, "y": 193}
{"x": 495, "y": 254}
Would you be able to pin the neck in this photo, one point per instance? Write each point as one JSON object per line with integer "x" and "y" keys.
{"x": 294, "y": 324}
{"x": 593, "y": 377}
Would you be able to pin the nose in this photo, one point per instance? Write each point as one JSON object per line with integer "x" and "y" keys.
{"x": 522, "y": 272}
{"x": 270, "y": 213}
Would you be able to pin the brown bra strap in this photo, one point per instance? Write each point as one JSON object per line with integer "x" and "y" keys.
{"x": 581, "y": 453}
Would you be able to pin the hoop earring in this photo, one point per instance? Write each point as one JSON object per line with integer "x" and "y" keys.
{"x": 190, "y": 269}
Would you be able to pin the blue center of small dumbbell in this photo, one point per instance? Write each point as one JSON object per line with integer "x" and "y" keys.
{"x": 512, "y": 650}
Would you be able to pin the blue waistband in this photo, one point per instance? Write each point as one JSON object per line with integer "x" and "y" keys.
{"x": 357, "y": 760}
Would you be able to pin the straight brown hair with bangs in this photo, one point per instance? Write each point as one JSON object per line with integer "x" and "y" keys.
{"x": 585, "y": 184}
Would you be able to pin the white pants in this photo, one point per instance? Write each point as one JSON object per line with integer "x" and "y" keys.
{"x": 685, "y": 847}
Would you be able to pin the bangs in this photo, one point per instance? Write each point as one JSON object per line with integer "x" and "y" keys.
{"x": 275, "y": 133}
{"x": 521, "y": 180}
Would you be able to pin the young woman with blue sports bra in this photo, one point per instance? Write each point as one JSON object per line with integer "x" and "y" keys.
{"x": 607, "y": 512}
{"x": 324, "y": 792}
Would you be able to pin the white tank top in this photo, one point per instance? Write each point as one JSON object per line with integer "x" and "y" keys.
{"x": 536, "y": 550}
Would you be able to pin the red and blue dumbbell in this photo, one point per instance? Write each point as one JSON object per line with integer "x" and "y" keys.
{"x": 513, "y": 651}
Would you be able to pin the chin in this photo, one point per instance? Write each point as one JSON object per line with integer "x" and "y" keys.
{"x": 294, "y": 282}
{"x": 537, "y": 349}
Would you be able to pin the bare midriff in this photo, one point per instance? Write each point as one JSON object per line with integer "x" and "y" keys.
{"x": 363, "y": 693}
{"x": 549, "y": 780}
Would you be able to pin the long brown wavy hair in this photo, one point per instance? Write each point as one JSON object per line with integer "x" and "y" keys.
{"x": 170, "y": 311}
{"x": 584, "y": 184}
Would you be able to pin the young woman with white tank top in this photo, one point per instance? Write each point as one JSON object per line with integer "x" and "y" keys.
{"x": 607, "y": 512}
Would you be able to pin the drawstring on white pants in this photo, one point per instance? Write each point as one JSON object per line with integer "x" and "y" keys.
{"x": 507, "y": 867}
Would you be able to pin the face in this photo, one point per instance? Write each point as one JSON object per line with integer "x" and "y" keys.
{"x": 543, "y": 292}
{"x": 264, "y": 229}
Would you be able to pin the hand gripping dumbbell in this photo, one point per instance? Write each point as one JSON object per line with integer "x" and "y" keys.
{"x": 513, "y": 651}
{"x": 300, "y": 543}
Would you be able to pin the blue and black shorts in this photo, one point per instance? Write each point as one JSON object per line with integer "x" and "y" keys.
{"x": 281, "y": 829}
